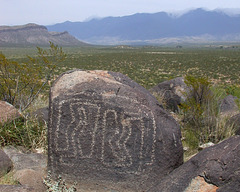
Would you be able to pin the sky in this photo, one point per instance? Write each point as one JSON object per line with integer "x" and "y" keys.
{"x": 48, "y": 12}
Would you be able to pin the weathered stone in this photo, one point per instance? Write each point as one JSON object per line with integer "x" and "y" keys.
{"x": 218, "y": 165}
{"x": 16, "y": 188}
{"x": 8, "y": 112}
{"x": 171, "y": 92}
{"x": 35, "y": 161}
{"x": 228, "y": 106}
{"x": 31, "y": 178}
{"x": 107, "y": 130}
{"x": 198, "y": 184}
{"x": 234, "y": 122}
{"x": 5, "y": 163}
{"x": 41, "y": 114}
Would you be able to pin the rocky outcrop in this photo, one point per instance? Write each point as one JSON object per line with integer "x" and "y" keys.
{"x": 218, "y": 165}
{"x": 109, "y": 132}
{"x": 32, "y": 34}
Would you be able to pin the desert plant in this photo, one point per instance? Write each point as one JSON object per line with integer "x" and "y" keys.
{"x": 27, "y": 132}
{"x": 57, "y": 186}
{"x": 201, "y": 114}
{"x": 21, "y": 83}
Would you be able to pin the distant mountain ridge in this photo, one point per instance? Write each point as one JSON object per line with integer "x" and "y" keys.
{"x": 144, "y": 27}
{"x": 32, "y": 34}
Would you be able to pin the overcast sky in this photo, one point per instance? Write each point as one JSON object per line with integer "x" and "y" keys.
{"x": 45, "y": 12}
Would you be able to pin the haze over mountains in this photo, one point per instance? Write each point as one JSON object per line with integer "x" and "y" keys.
{"x": 196, "y": 26}
{"x": 35, "y": 35}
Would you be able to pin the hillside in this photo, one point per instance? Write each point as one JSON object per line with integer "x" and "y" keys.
{"x": 194, "y": 26}
{"x": 32, "y": 34}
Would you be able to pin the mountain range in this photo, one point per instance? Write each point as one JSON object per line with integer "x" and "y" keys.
{"x": 35, "y": 35}
{"x": 197, "y": 25}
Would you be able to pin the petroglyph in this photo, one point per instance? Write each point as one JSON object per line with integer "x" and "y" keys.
{"x": 107, "y": 130}
{"x": 122, "y": 134}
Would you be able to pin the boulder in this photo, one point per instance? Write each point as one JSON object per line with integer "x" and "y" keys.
{"x": 5, "y": 163}
{"x": 109, "y": 132}
{"x": 31, "y": 178}
{"x": 171, "y": 92}
{"x": 21, "y": 160}
{"x": 228, "y": 106}
{"x": 8, "y": 112}
{"x": 218, "y": 165}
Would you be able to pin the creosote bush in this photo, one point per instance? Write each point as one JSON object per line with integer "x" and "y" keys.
{"x": 21, "y": 83}
{"x": 202, "y": 121}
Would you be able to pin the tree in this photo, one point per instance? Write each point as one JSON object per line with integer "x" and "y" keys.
{"x": 21, "y": 83}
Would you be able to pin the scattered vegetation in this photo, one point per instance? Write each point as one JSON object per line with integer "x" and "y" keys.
{"x": 202, "y": 121}
{"x": 22, "y": 79}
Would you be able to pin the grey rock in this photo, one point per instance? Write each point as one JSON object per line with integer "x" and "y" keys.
{"x": 16, "y": 188}
{"x": 228, "y": 106}
{"x": 35, "y": 161}
{"x": 108, "y": 131}
{"x": 172, "y": 92}
{"x": 218, "y": 165}
{"x": 5, "y": 163}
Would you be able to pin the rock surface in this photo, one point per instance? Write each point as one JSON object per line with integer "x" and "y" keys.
{"x": 31, "y": 178}
{"x": 16, "y": 188}
{"x": 8, "y": 112}
{"x": 218, "y": 165}
{"x": 5, "y": 163}
{"x": 228, "y": 106}
{"x": 108, "y": 131}
{"x": 34, "y": 161}
{"x": 171, "y": 92}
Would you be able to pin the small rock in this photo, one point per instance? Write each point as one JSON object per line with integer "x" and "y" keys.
{"x": 31, "y": 178}
{"x": 8, "y": 112}
{"x": 5, "y": 163}
{"x": 228, "y": 106}
{"x": 205, "y": 145}
{"x": 41, "y": 114}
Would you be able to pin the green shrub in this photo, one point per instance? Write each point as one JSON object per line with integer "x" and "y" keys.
{"x": 27, "y": 132}
{"x": 21, "y": 83}
{"x": 201, "y": 114}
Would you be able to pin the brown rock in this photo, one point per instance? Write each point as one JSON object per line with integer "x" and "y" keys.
{"x": 8, "y": 112}
{"x": 198, "y": 184}
{"x": 108, "y": 131}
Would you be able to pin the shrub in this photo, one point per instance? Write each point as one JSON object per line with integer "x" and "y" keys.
{"x": 21, "y": 83}
{"x": 201, "y": 114}
{"x": 27, "y": 132}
